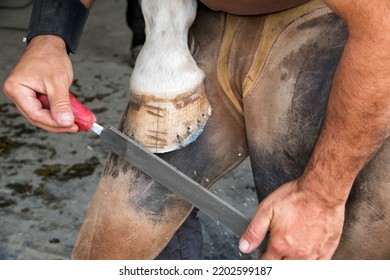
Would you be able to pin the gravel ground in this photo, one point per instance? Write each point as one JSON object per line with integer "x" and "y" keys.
{"x": 47, "y": 180}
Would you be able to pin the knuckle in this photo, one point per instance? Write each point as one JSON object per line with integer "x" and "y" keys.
{"x": 9, "y": 86}
{"x": 61, "y": 105}
{"x": 252, "y": 233}
{"x": 277, "y": 245}
{"x": 33, "y": 118}
{"x": 301, "y": 253}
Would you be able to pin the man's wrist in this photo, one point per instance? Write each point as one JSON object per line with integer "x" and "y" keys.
{"x": 64, "y": 18}
{"x": 318, "y": 190}
{"x": 332, "y": 168}
{"x": 46, "y": 40}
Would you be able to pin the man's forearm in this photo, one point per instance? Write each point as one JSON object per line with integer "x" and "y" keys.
{"x": 357, "y": 121}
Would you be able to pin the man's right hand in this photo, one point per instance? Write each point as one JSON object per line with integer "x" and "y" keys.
{"x": 44, "y": 68}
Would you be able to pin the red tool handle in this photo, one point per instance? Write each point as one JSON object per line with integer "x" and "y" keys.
{"x": 84, "y": 118}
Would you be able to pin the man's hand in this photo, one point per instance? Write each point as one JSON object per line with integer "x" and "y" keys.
{"x": 300, "y": 226}
{"x": 44, "y": 68}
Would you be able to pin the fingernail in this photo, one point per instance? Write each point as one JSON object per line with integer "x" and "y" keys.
{"x": 243, "y": 246}
{"x": 66, "y": 118}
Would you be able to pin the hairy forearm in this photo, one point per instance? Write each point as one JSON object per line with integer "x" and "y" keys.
{"x": 357, "y": 121}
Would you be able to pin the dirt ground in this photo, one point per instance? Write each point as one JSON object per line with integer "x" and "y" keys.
{"x": 47, "y": 180}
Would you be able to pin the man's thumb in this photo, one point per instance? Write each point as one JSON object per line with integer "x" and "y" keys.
{"x": 61, "y": 109}
{"x": 255, "y": 232}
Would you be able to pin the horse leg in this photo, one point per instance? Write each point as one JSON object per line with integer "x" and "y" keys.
{"x": 168, "y": 107}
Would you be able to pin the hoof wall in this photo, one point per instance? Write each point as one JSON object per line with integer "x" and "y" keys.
{"x": 163, "y": 125}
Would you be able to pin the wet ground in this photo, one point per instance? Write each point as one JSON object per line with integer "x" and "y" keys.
{"x": 47, "y": 180}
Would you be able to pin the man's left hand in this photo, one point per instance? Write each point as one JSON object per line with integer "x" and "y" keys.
{"x": 300, "y": 226}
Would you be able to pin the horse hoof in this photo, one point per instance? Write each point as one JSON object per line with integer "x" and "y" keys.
{"x": 167, "y": 124}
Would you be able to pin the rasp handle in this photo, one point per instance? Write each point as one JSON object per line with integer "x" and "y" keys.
{"x": 84, "y": 118}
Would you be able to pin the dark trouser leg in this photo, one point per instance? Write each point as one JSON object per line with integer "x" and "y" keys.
{"x": 187, "y": 243}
